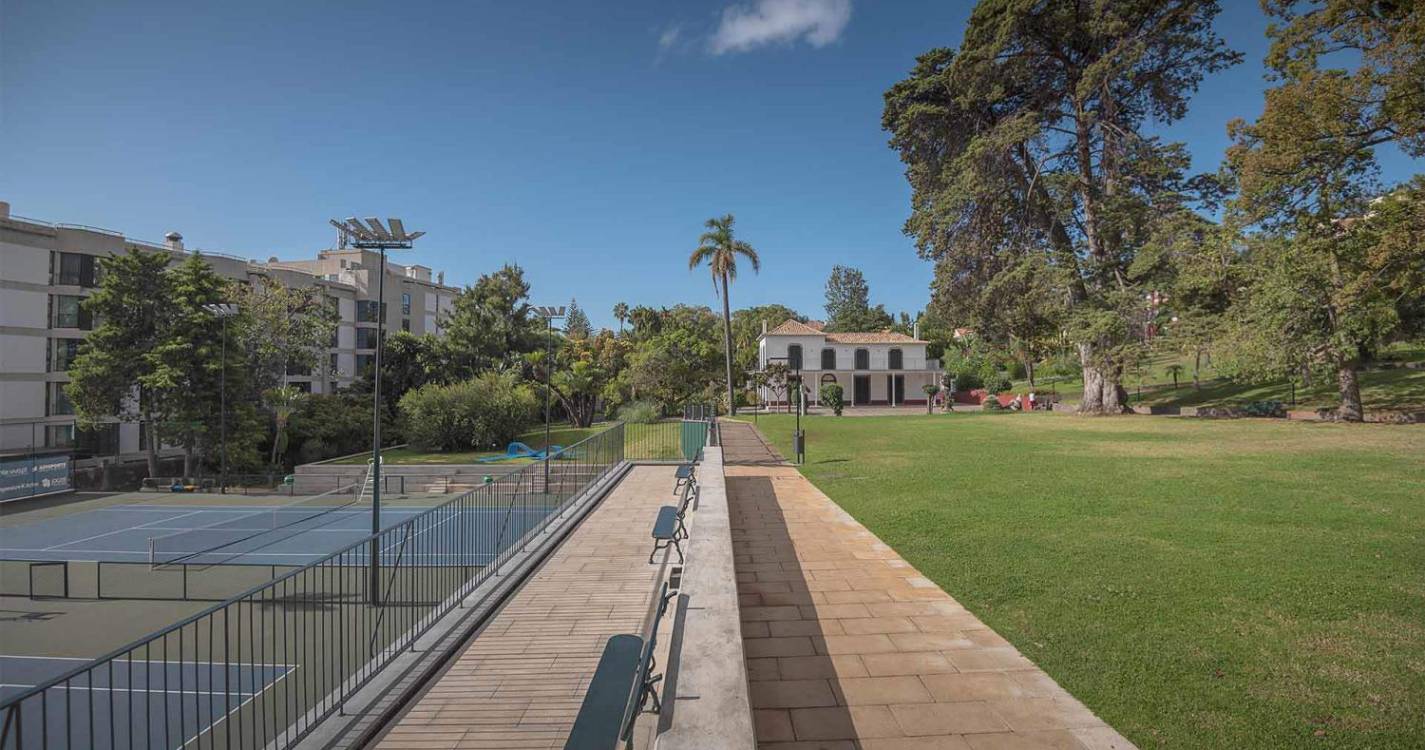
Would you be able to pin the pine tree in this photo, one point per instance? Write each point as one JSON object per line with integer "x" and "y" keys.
{"x": 576, "y": 323}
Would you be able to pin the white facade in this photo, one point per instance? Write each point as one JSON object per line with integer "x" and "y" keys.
{"x": 873, "y": 368}
{"x": 45, "y": 269}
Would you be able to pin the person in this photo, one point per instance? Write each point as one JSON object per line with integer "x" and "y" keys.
{"x": 1032, "y": 405}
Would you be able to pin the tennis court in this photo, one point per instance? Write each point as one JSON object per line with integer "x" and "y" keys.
{"x": 241, "y": 534}
{"x": 189, "y": 696}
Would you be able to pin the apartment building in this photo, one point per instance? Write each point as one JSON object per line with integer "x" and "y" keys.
{"x": 47, "y": 269}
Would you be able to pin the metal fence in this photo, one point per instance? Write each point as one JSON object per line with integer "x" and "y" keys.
{"x": 261, "y": 669}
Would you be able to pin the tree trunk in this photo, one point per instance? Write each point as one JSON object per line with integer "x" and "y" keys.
{"x": 1029, "y": 370}
{"x": 1103, "y": 394}
{"x": 1196, "y": 368}
{"x": 1350, "y": 387}
{"x": 727, "y": 345}
{"x": 188, "y": 455}
{"x": 152, "y": 452}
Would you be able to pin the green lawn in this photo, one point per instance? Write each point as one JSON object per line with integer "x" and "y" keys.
{"x": 1380, "y": 388}
{"x": 1207, "y": 584}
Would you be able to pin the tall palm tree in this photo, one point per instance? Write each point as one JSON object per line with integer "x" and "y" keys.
{"x": 621, "y": 314}
{"x": 719, "y": 249}
{"x": 283, "y": 401}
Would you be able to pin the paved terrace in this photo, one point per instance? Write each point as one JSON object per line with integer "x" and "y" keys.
{"x": 848, "y": 646}
{"x": 519, "y": 683}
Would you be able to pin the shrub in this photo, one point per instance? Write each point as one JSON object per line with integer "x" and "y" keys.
{"x": 1265, "y": 409}
{"x": 640, "y": 412}
{"x": 998, "y": 384}
{"x": 481, "y": 414}
{"x": 991, "y": 403}
{"x": 833, "y": 395}
{"x": 967, "y": 380}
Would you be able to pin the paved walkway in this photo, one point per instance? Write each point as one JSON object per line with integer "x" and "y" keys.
{"x": 521, "y": 680}
{"x": 848, "y": 646}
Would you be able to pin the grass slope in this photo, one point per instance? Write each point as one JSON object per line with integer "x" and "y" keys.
{"x": 1203, "y": 584}
{"x": 565, "y": 436}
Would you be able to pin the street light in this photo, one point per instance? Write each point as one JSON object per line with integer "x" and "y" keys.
{"x": 223, "y": 310}
{"x": 373, "y": 236}
{"x": 549, "y": 313}
{"x": 799, "y": 438}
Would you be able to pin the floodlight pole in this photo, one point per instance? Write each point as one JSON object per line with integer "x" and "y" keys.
{"x": 223, "y": 310}
{"x": 374, "y": 236}
{"x": 375, "y": 583}
{"x": 549, "y": 313}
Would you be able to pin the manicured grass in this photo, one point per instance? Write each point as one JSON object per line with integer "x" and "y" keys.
{"x": 1205, "y": 584}
{"x": 1396, "y": 389}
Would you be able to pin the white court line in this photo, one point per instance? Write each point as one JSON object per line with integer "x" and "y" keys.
{"x": 237, "y": 693}
{"x": 238, "y": 707}
{"x": 120, "y": 531}
{"x": 184, "y": 661}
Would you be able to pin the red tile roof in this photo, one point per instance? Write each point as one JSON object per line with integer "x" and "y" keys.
{"x": 795, "y": 328}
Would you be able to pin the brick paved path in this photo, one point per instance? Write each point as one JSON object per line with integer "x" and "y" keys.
{"x": 848, "y": 646}
{"x": 520, "y": 682}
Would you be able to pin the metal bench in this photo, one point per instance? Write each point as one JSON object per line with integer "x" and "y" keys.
{"x": 668, "y": 529}
{"x": 622, "y": 685}
{"x": 686, "y": 473}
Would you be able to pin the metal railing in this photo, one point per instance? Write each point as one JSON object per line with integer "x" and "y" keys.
{"x": 261, "y": 669}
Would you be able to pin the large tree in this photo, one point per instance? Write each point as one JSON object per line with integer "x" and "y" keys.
{"x": 719, "y": 248}
{"x": 491, "y": 323}
{"x": 283, "y": 329}
{"x": 110, "y": 375}
{"x": 747, "y": 327}
{"x": 848, "y": 303}
{"x": 1027, "y": 155}
{"x": 1338, "y": 263}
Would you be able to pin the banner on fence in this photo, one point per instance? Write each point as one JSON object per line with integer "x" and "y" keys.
{"x": 34, "y": 475}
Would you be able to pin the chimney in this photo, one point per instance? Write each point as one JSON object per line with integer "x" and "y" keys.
{"x": 764, "y": 327}
{"x": 174, "y": 241}
{"x": 4, "y": 210}
{"x": 440, "y": 278}
{"x": 915, "y": 331}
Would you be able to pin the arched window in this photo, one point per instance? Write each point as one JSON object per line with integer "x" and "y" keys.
{"x": 863, "y": 359}
{"x": 897, "y": 362}
{"x": 828, "y": 378}
{"x": 794, "y": 356}
{"x": 828, "y": 358}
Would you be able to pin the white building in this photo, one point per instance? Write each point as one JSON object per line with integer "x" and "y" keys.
{"x": 873, "y": 368}
{"x": 47, "y": 269}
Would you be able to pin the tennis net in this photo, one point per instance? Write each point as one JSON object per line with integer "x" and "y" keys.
{"x": 181, "y": 546}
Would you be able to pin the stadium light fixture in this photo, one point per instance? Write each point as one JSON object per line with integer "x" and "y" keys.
{"x": 373, "y": 236}
{"x": 549, "y": 313}
{"x": 223, "y": 311}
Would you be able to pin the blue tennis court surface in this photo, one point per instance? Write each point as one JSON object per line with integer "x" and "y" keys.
{"x": 176, "y": 701}
{"x": 257, "y": 535}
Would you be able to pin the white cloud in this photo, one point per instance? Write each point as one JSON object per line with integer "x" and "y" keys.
{"x": 764, "y": 22}
{"x": 669, "y": 37}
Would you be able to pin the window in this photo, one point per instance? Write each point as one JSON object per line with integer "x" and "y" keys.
{"x": 69, "y": 312}
{"x": 74, "y": 269}
{"x": 305, "y": 386}
{"x": 64, "y": 352}
{"x": 863, "y": 359}
{"x": 406, "y": 324}
{"x": 794, "y": 356}
{"x": 364, "y": 362}
{"x": 298, "y": 368}
{"x": 58, "y": 405}
{"x": 336, "y": 337}
{"x": 333, "y": 371}
{"x": 897, "y": 361}
{"x": 103, "y": 440}
{"x": 59, "y": 435}
{"x": 368, "y": 310}
{"x": 828, "y": 358}
{"x": 366, "y": 338}
{"x": 406, "y": 304}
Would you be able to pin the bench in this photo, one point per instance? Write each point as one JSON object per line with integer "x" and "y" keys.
{"x": 667, "y": 529}
{"x": 686, "y": 474}
{"x": 622, "y": 685}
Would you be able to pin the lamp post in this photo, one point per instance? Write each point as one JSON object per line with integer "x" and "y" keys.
{"x": 549, "y": 313}
{"x": 373, "y": 236}
{"x": 799, "y": 438}
{"x": 223, "y": 310}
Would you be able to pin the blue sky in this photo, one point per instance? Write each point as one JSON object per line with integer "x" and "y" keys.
{"x": 585, "y": 141}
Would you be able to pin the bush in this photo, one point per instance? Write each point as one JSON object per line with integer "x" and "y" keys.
{"x": 967, "y": 381}
{"x": 833, "y": 395}
{"x": 998, "y": 384}
{"x": 1265, "y": 409}
{"x": 640, "y": 412}
{"x": 991, "y": 403}
{"x": 484, "y": 413}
